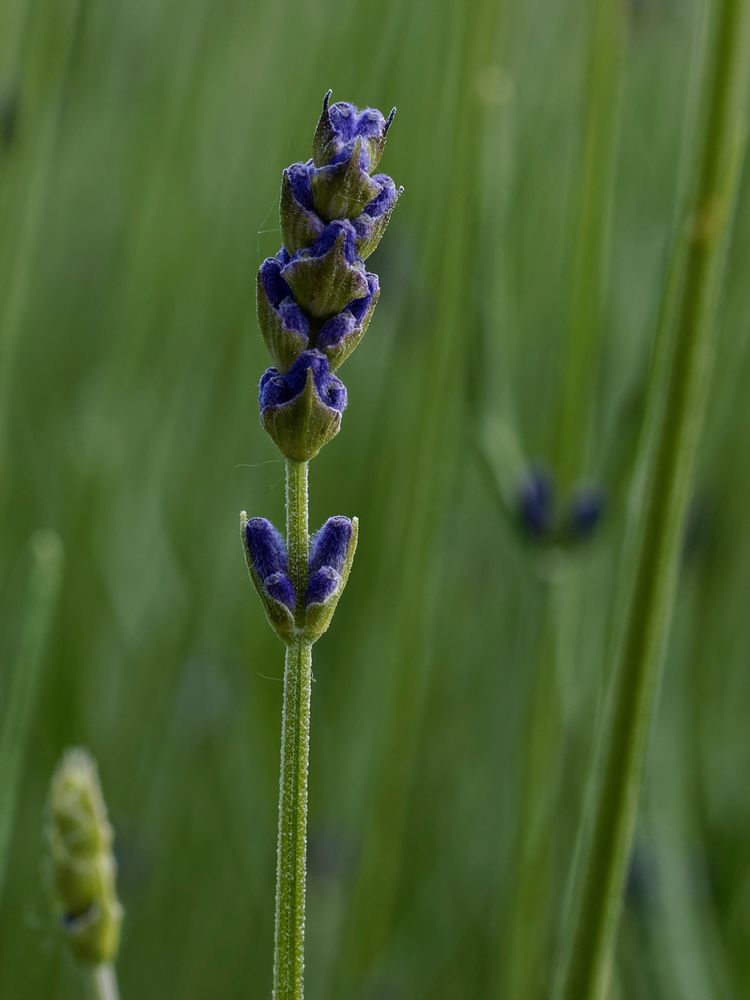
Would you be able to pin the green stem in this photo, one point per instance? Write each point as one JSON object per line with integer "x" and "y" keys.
{"x": 584, "y": 333}
{"x": 640, "y": 656}
{"x": 289, "y": 959}
{"x": 103, "y": 982}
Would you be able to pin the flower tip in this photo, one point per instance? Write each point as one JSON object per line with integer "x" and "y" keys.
{"x": 389, "y": 120}
{"x": 327, "y": 99}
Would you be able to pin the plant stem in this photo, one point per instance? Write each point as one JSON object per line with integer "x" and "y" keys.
{"x": 641, "y": 653}
{"x": 103, "y": 982}
{"x": 289, "y": 959}
{"x": 584, "y": 333}
{"x": 25, "y": 680}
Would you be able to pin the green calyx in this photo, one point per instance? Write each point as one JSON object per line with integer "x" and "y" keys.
{"x": 302, "y": 426}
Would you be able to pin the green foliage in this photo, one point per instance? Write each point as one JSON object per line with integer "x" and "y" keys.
{"x": 140, "y": 153}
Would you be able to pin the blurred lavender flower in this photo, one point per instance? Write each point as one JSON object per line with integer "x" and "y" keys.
{"x": 535, "y": 504}
{"x": 539, "y": 517}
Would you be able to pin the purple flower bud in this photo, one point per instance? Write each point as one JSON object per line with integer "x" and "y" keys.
{"x": 268, "y": 560}
{"x": 339, "y": 335}
{"x": 328, "y": 275}
{"x": 331, "y": 554}
{"x": 328, "y": 554}
{"x": 301, "y": 409}
{"x": 371, "y": 224}
{"x": 342, "y": 125}
{"x": 535, "y": 504}
{"x": 300, "y": 223}
{"x": 284, "y": 325}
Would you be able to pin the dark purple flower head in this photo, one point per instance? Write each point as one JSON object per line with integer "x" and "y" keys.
{"x": 342, "y": 127}
{"x": 268, "y": 561}
{"x": 301, "y": 409}
{"x": 328, "y": 275}
{"x": 328, "y": 555}
{"x": 535, "y": 504}
{"x": 284, "y": 326}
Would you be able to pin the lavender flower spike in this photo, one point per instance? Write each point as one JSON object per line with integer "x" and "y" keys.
{"x": 268, "y": 564}
{"x": 331, "y": 554}
{"x": 314, "y": 301}
{"x": 301, "y": 409}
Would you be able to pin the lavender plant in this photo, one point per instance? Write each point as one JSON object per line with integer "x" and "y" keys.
{"x": 83, "y": 870}
{"x": 314, "y": 302}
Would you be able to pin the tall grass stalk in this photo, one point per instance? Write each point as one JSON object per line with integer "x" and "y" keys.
{"x": 640, "y": 656}
{"x": 26, "y": 678}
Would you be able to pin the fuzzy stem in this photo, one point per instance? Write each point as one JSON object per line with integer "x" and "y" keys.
{"x": 641, "y": 653}
{"x": 103, "y": 982}
{"x": 289, "y": 959}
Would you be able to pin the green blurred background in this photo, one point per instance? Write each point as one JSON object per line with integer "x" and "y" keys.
{"x": 544, "y": 150}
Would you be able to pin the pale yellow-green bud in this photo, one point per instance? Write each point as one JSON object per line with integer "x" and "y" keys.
{"x": 83, "y": 867}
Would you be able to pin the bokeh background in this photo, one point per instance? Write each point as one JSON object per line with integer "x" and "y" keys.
{"x": 544, "y": 149}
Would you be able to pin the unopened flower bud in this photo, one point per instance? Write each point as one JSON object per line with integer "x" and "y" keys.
{"x": 331, "y": 554}
{"x": 82, "y": 862}
{"x": 301, "y": 409}
{"x": 328, "y": 275}
{"x": 268, "y": 564}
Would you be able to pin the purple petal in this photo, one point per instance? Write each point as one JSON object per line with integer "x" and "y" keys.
{"x": 322, "y": 584}
{"x": 280, "y": 588}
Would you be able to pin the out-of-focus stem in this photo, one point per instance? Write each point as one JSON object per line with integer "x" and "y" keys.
{"x": 578, "y": 392}
{"x": 25, "y": 679}
{"x": 665, "y": 498}
{"x": 289, "y": 958}
{"x": 103, "y": 983}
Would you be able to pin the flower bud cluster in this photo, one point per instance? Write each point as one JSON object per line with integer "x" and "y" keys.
{"x": 315, "y": 298}
{"x": 331, "y": 554}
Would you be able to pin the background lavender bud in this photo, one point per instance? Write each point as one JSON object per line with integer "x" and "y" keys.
{"x": 535, "y": 505}
{"x": 339, "y": 335}
{"x": 372, "y": 222}
{"x": 268, "y": 565}
{"x": 341, "y": 124}
{"x": 284, "y": 326}
{"x": 300, "y": 223}
{"x": 328, "y": 276}
{"x": 331, "y": 554}
{"x": 82, "y": 863}
{"x": 301, "y": 410}
{"x": 585, "y": 512}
